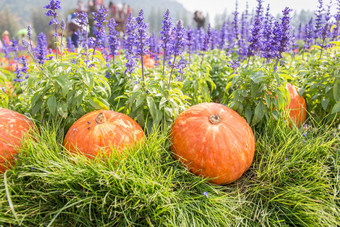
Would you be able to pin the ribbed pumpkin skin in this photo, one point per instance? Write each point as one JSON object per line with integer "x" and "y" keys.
{"x": 13, "y": 127}
{"x": 297, "y": 106}
{"x": 224, "y": 150}
{"x": 88, "y": 136}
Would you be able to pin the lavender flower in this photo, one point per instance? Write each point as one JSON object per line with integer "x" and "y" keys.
{"x": 223, "y": 36}
{"x": 255, "y": 39}
{"x": 82, "y": 20}
{"x": 285, "y": 41}
{"x": 190, "y": 40}
{"x": 20, "y": 72}
{"x": 242, "y": 47}
{"x": 318, "y": 19}
{"x": 130, "y": 34}
{"x": 308, "y": 34}
{"x": 182, "y": 63}
{"x": 29, "y": 34}
{"x": 40, "y": 51}
{"x": 113, "y": 38}
{"x": 70, "y": 46}
{"x": 100, "y": 18}
{"x": 166, "y": 36}
{"x": 178, "y": 40}
{"x": 207, "y": 38}
{"x": 142, "y": 39}
{"x": 326, "y": 28}
{"x": 235, "y": 23}
{"x": 177, "y": 45}
{"x": 52, "y": 11}
{"x": 14, "y": 47}
{"x": 267, "y": 35}
{"x": 142, "y": 35}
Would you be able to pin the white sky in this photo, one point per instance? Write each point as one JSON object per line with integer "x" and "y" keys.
{"x": 214, "y": 7}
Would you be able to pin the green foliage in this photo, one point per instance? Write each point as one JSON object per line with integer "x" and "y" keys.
{"x": 197, "y": 82}
{"x": 67, "y": 90}
{"x": 152, "y": 103}
{"x": 320, "y": 82}
{"x": 257, "y": 93}
{"x": 220, "y": 70}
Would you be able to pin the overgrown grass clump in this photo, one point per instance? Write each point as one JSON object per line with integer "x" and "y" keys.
{"x": 294, "y": 181}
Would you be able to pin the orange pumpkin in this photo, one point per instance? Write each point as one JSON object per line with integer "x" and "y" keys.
{"x": 148, "y": 62}
{"x": 103, "y": 129}
{"x": 297, "y": 106}
{"x": 13, "y": 127}
{"x": 213, "y": 141}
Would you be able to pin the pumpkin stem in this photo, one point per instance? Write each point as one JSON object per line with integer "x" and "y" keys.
{"x": 215, "y": 119}
{"x": 100, "y": 119}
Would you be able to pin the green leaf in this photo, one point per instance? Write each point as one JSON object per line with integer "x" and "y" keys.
{"x": 336, "y": 90}
{"x": 258, "y": 77}
{"x": 301, "y": 91}
{"x": 152, "y": 107}
{"x": 324, "y": 104}
{"x": 52, "y": 104}
{"x": 249, "y": 114}
{"x": 140, "y": 101}
{"x": 162, "y": 103}
{"x": 36, "y": 107}
{"x": 259, "y": 113}
{"x": 336, "y": 108}
{"x": 97, "y": 104}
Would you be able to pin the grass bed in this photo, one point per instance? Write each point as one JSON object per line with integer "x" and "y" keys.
{"x": 294, "y": 181}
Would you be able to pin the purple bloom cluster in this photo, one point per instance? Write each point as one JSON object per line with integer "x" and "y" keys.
{"x": 52, "y": 7}
{"x": 130, "y": 41}
{"x": 255, "y": 38}
{"x": 178, "y": 40}
{"x": 99, "y": 26}
{"x": 40, "y": 51}
{"x": 21, "y": 71}
{"x": 113, "y": 38}
{"x": 207, "y": 38}
{"x": 165, "y": 36}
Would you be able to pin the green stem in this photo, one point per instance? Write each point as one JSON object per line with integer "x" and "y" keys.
{"x": 172, "y": 69}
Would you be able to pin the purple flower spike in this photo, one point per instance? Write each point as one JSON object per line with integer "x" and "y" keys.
{"x": 165, "y": 36}
{"x": 255, "y": 38}
{"x": 142, "y": 39}
{"x": 41, "y": 49}
{"x": 52, "y": 11}
{"x": 113, "y": 38}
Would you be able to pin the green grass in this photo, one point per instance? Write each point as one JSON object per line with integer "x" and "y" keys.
{"x": 294, "y": 181}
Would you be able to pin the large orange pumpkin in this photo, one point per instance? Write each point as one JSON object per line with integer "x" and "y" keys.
{"x": 103, "y": 129}
{"x": 13, "y": 127}
{"x": 213, "y": 141}
{"x": 297, "y": 106}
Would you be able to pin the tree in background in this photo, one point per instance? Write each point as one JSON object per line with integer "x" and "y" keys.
{"x": 39, "y": 22}
{"x": 8, "y": 22}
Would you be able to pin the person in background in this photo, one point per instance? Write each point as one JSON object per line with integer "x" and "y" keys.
{"x": 5, "y": 38}
{"x": 112, "y": 9}
{"x": 199, "y": 19}
{"x": 129, "y": 10}
{"x": 75, "y": 38}
{"x": 81, "y": 7}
